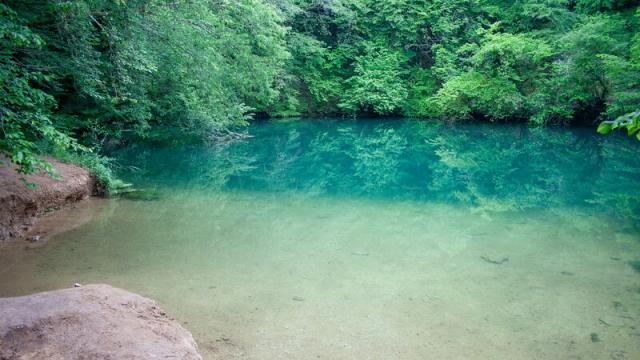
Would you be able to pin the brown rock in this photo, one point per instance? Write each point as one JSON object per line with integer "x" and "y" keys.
{"x": 90, "y": 322}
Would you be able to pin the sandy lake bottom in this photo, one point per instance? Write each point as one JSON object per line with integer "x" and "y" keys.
{"x": 287, "y": 277}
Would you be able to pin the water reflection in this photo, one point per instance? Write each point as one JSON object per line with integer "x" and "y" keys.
{"x": 489, "y": 168}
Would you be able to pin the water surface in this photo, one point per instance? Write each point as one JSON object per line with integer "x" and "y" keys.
{"x": 386, "y": 239}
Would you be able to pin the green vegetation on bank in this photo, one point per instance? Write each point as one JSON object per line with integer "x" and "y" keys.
{"x": 77, "y": 74}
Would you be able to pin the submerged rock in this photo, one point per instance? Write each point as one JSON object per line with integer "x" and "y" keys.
{"x": 90, "y": 322}
{"x": 635, "y": 265}
{"x": 140, "y": 194}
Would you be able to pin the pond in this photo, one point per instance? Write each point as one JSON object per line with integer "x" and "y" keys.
{"x": 370, "y": 239}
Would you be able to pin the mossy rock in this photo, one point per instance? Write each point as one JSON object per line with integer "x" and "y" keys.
{"x": 140, "y": 194}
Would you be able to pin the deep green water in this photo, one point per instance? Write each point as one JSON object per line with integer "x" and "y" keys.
{"x": 372, "y": 239}
{"x": 483, "y": 167}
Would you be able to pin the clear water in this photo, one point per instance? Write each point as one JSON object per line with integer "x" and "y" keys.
{"x": 392, "y": 239}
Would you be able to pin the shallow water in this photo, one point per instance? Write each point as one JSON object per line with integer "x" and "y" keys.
{"x": 391, "y": 239}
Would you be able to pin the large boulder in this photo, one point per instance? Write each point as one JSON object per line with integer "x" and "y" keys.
{"x": 90, "y": 322}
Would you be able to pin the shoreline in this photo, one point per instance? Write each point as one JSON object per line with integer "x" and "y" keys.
{"x": 109, "y": 321}
{"x": 23, "y": 205}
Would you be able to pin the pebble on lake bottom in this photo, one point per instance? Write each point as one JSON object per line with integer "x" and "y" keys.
{"x": 34, "y": 238}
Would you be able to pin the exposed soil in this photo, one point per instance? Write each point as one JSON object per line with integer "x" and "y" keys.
{"x": 21, "y": 204}
{"x": 90, "y": 322}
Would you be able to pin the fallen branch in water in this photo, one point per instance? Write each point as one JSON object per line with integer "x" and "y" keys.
{"x": 496, "y": 262}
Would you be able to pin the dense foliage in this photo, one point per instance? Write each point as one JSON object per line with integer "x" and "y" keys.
{"x": 78, "y": 73}
{"x": 542, "y": 61}
{"x": 84, "y": 72}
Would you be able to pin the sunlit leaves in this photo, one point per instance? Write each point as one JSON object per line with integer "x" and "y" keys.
{"x": 630, "y": 122}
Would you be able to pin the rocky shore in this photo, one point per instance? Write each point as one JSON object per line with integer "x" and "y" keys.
{"x": 84, "y": 322}
{"x": 24, "y": 197}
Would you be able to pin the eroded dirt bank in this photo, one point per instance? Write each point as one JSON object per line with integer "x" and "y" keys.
{"x": 90, "y": 322}
{"x": 20, "y": 205}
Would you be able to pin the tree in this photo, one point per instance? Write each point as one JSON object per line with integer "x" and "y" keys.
{"x": 378, "y": 83}
{"x": 25, "y": 109}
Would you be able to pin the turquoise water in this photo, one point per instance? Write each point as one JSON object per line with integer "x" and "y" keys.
{"x": 370, "y": 239}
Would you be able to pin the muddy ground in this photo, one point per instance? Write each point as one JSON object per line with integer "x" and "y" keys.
{"x": 21, "y": 203}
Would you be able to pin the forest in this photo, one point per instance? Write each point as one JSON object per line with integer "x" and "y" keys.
{"x": 78, "y": 74}
{"x": 320, "y": 179}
